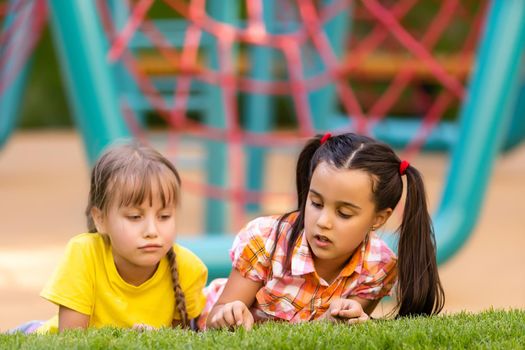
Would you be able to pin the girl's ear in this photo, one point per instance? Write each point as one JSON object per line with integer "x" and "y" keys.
{"x": 381, "y": 217}
{"x": 98, "y": 219}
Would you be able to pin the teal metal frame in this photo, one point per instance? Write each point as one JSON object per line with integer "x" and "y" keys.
{"x": 516, "y": 132}
{"x": 120, "y": 13}
{"x": 11, "y": 96}
{"x": 258, "y": 108}
{"x": 217, "y": 152}
{"x": 323, "y": 101}
{"x": 485, "y": 119}
{"x": 88, "y": 76}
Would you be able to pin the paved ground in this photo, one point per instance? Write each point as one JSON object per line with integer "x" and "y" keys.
{"x": 44, "y": 185}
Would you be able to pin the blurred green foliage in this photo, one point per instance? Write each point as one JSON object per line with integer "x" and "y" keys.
{"x": 44, "y": 103}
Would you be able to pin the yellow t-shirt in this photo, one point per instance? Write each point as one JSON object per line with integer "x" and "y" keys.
{"x": 87, "y": 281}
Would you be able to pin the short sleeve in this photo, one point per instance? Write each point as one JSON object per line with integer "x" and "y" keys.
{"x": 377, "y": 279}
{"x": 251, "y": 249}
{"x": 193, "y": 276}
{"x": 72, "y": 283}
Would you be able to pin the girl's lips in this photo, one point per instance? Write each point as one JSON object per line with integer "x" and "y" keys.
{"x": 150, "y": 247}
{"x": 322, "y": 241}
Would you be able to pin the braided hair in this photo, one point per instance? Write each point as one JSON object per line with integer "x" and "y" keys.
{"x": 180, "y": 301}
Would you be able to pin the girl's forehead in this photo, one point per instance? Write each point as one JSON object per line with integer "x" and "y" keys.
{"x": 341, "y": 184}
{"x": 155, "y": 202}
{"x": 145, "y": 191}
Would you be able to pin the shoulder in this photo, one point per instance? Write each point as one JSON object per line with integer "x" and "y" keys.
{"x": 193, "y": 275}
{"x": 378, "y": 252}
{"x": 378, "y": 272}
{"x": 188, "y": 261}
{"x": 253, "y": 246}
{"x": 87, "y": 242}
{"x": 266, "y": 226}
{"x": 260, "y": 234}
{"x": 87, "y": 239}
{"x": 262, "y": 224}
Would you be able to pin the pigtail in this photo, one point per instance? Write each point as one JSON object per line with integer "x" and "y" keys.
{"x": 180, "y": 301}
{"x": 304, "y": 169}
{"x": 419, "y": 288}
{"x": 302, "y": 184}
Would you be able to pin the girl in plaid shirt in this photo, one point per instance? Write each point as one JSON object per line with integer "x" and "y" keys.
{"x": 324, "y": 260}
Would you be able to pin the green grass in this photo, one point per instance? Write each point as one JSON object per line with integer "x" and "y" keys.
{"x": 487, "y": 330}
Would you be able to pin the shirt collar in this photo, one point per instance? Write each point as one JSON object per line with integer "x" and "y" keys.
{"x": 355, "y": 264}
{"x": 303, "y": 262}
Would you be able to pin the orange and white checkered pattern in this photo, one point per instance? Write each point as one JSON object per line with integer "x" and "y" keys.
{"x": 300, "y": 294}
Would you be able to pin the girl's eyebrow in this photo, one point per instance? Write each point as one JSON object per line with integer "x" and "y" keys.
{"x": 131, "y": 207}
{"x": 352, "y": 205}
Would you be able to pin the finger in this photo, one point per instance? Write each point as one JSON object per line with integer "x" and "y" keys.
{"x": 352, "y": 313}
{"x": 364, "y": 317}
{"x": 361, "y": 319}
{"x": 336, "y": 306}
{"x": 218, "y": 320}
{"x": 238, "y": 314}
{"x": 213, "y": 323}
{"x": 334, "y": 312}
{"x": 248, "y": 320}
{"x": 228, "y": 317}
{"x": 348, "y": 304}
{"x": 221, "y": 323}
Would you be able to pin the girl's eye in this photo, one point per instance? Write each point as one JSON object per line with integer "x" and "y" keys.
{"x": 344, "y": 216}
{"x": 165, "y": 217}
{"x": 133, "y": 217}
{"x": 316, "y": 204}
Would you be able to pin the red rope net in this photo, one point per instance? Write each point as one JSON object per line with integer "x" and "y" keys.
{"x": 21, "y": 24}
{"x": 394, "y": 62}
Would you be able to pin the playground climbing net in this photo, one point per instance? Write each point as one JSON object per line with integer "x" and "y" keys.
{"x": 407, "y": 57}
{"x": 202, "y": 67}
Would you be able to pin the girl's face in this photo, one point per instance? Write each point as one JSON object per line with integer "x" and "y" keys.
{"x": 339, "y": 213}
{"x": 140, "y": 235}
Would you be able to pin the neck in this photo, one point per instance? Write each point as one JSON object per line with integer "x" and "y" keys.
{"x": 133, "y": 274}
{"x": 329, "y": 269}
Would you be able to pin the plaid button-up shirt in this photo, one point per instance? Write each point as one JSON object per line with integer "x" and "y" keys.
{"x": 300, "y": 294}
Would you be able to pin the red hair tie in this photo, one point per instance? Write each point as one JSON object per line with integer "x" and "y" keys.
{"x": 325, "y": 137}
{"x": 403, "y": 167}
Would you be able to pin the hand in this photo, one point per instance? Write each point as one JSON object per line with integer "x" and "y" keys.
{"x": 142, "y": 327}
{"x": 232, "y": 314}
{"x": 345, "y": 310}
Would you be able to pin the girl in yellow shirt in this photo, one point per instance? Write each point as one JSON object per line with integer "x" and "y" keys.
{"x": 126, "y": 272}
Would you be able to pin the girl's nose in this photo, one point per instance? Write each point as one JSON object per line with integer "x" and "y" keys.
{"x": 324, "y": 220}
{"x": 151, "y": 229}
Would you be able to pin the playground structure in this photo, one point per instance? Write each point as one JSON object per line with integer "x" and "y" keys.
{"x": 100, "y": 71}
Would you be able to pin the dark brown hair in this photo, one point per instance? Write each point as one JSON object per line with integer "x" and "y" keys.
{"x": 126, "y": 174}
{"x": 419, "y": 290}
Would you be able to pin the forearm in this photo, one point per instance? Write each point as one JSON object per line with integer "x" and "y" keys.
{"x": 68, "y": 319}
